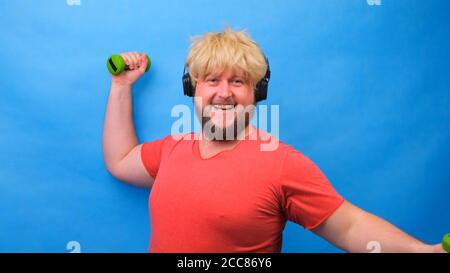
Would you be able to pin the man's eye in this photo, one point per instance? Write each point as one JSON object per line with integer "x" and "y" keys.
{"x": 212, "y": 80}
{"x": 238, "y": 82}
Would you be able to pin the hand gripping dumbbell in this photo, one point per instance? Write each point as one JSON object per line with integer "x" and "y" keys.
{"x": 116, "y": 64}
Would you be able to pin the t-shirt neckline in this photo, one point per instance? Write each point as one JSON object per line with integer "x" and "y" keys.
{"x": 196, "y": 147}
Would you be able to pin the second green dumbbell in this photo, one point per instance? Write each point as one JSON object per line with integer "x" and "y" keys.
{"x": 446, "y": 242}
{"x": 116, "y": 64}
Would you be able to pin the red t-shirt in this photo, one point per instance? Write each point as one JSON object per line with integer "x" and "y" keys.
{"x": 236, "y": 201}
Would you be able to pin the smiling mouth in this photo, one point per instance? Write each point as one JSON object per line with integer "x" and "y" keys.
{"x": 224, "y": 106}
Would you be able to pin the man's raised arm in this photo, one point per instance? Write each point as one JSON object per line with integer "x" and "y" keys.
{"x": 121, "y": 150}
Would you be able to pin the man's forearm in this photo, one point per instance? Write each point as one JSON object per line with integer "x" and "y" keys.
{"x": 119, "y": 135}
{"x": 355, "y": 230}
{"x": 369, "y": 228}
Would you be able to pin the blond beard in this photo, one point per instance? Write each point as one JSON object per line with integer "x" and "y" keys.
{"x": 234, "y": 131}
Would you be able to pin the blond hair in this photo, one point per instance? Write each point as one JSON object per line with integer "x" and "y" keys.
{"x": 214, "y": 52}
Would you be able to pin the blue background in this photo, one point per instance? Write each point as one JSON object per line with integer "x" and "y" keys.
{"x": 363, "y": 91}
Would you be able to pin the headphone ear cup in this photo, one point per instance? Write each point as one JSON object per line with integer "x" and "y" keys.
{"x": 188, "y": 88}
{"x": 261, "y": 90}
{"x": 262, "y": 85}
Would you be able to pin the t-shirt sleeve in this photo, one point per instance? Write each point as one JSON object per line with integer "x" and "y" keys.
{"x": 308, "y": 198}
{"x": 151, "y": 155}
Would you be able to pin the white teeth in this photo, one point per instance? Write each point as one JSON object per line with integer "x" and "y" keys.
{"x": 223, "y": 106}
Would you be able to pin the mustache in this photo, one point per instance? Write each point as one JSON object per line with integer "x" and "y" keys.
{"x": 237, "y": 107}
{"x": 223, "y": 102}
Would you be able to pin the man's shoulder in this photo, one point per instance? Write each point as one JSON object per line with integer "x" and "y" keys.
{"x": 270, "y": 143}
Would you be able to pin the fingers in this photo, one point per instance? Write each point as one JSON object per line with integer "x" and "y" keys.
{"x": 135, "y": 58}
{"x": 143, "y": 59}
{"x": 132, "y": 60}
{"x": 126, "y": 58}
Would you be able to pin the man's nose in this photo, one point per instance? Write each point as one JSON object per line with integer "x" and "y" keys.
{"x": 224, "y": 89}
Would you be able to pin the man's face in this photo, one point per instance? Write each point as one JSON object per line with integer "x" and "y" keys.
{"x": 223, "y": 101}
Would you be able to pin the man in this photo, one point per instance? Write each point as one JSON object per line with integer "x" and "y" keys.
{"x": 217, "y": 190}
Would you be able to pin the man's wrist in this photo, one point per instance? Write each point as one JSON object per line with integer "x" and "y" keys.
{"x": 120, "y": 85}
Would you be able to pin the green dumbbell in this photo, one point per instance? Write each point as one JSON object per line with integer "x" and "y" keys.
{"x": 116, "y": 64}
{"x": 446, "y": 242}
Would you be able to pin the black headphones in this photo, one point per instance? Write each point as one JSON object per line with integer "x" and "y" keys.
{"x": 260, "y": 89}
